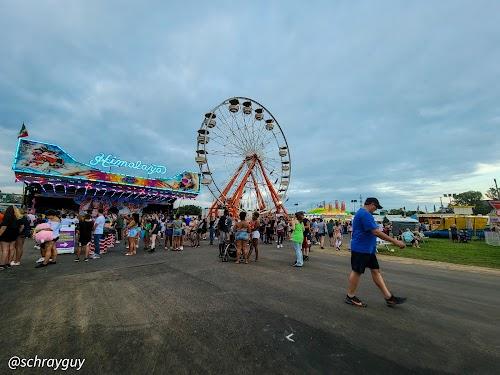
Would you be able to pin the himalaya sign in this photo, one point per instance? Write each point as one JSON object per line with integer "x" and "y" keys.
{"x": 109, "y": 160}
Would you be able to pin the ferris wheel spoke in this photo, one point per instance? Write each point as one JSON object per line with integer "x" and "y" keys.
{"x": 253, "y": 129}
{"x": 230, "y": 130}
{"x": 268, "y": 156}
{"x": 229, "y": 123}
{"x": 267, "y": 136}
{"x": 272, "y": 171}
{"x": 263, "y": 138}
{"x": 261, "y": 132}
{"x": 225, "y": 153}
{"x": 227, "y": 140}
{"x": 240, "y": 131}
{"x": 227, "y": 144}
{"x": 249, "y": 126}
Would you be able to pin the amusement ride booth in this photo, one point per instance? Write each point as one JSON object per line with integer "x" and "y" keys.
{"x": 54, "y": 179}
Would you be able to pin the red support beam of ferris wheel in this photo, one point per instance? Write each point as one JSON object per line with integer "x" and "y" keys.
{"x": 235, "y": 200}
{"x": 260, "y": 199}
{"x": 274, "y": 195}
{"x": 223, "y": 197}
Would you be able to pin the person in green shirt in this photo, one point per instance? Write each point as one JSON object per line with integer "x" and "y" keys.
{"x": 298, "y": 238}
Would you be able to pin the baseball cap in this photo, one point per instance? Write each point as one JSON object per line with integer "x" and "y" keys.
{"x": 374, "y": 201}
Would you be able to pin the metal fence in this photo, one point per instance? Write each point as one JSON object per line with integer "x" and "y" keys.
{"x": 492, "y": 238}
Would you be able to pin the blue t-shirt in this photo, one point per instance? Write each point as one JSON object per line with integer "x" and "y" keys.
{"x": 56, "y": 227}
{"x": 363, "y": 240}
{"x": 99, "y": 224}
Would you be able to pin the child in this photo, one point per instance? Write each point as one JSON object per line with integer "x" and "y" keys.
{"x": 338, "y": 237}
{"x": 44, "y": 237}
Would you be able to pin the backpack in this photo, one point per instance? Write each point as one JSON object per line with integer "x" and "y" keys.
{"x": 223, "y": 224}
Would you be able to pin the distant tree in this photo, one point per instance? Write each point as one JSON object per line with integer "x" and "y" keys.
{"x": 482, "y": 208}
{"x": 493, "y": 194}
{"x": 189, "y": 209}
{"x": 468, "y": 198}
{"x": 398, "y": 211}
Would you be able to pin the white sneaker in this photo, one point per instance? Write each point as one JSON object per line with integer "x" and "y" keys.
{"x": 117, "y": 241}
{"x": 40, "y": 260}
{"x": 37, "y": 247}
{"x": 181, "y": 248}
{"x": 95, "y": 256}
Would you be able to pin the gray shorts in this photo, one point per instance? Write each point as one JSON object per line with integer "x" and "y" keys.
{"x": 222, "y": 237}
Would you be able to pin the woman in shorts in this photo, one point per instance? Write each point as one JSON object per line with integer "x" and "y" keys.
{"x": 133, "y": 232}
{"x": 9, "y": 231}
{"x": 177, "y": 232}
{"x": 24, "y": 225}
{"x": 85, "y": 227}
{"x": 242, "y": 230}
{"x": 255, "y": 226}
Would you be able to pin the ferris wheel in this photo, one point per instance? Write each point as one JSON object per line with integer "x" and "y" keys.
{"x": 244, "y": 157}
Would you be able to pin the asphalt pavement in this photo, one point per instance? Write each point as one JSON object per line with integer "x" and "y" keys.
{"x": 188, "y": 313}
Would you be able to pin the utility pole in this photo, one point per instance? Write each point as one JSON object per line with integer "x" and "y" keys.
{"x": 496, "y": 188}
{"x": 360, "y": 200}
{"x": 353, "y": 204}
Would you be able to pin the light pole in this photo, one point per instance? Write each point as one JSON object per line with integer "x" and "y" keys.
{"x": 496, "y": 188}
{"x": 353, "y": 204}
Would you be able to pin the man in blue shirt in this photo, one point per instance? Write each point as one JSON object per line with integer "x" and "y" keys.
{"x": 98, "y": 232}
{"x": 363, "y": 247}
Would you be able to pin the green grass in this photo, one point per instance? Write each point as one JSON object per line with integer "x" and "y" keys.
{"x": 475, "y": 253}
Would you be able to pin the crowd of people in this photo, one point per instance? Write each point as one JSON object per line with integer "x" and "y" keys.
{"x": 171, "y": 232}
{"x": 154, "y": 230}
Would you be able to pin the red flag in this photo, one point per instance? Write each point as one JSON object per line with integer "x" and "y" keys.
{"x": 23, "y": 132}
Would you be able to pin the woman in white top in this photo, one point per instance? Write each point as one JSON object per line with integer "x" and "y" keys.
{"x": 254, "y": 227}
{"x": 280, "y": 231}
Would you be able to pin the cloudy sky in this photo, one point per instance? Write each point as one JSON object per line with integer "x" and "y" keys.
{"x": 395, "y": 99}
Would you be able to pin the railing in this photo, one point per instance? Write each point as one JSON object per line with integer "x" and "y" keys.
{"x": 492, "y": 238}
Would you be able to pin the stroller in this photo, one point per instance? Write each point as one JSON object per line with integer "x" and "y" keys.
{"x": 462, "y": 236}
{"x": 227, "y": 249}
